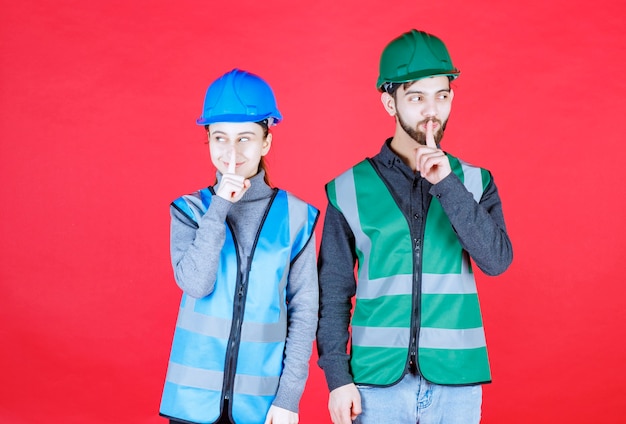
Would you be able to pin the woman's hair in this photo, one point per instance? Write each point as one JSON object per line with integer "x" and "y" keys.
{"x": 262, "y": 164}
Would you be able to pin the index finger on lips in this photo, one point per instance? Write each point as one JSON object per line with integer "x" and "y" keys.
{"x": 430, "y": 136}
{"x": 232, "y": 163}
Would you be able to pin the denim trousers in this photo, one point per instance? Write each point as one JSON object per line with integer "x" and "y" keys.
{"x": 415, "y": 400}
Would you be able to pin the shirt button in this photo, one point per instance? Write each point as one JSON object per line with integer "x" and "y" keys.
{"x": 416, "y": 216}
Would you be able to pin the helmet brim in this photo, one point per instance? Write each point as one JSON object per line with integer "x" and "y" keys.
{"x": 426, "y": 73}
{"x": 237, "y": 118}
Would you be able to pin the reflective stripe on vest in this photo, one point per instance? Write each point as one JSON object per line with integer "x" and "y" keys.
{"x": 204, "y": 339}
{"x": 451, "y": 348}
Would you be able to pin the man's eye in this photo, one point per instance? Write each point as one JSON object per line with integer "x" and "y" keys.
{"x": 415, "y": 99}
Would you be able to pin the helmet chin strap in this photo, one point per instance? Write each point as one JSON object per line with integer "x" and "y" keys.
{"x": 390, "y": 87}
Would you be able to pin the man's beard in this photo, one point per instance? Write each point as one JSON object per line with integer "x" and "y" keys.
{"x": 420, "y": 136}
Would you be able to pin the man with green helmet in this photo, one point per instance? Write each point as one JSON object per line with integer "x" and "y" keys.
{"x": 410, "y": 218}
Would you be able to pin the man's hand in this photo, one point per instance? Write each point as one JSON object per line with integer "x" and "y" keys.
{"x": 278, "y": 415}
{"x": 232, "y": 186}
{"x": 431, "y": 162}
{"x": 344, "y": 404}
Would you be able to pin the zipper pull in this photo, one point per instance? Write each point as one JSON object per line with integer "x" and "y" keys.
{"x": 413, "y": 356}
{"x": 417, "y": 244}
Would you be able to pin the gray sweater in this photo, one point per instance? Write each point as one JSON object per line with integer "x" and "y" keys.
{"x": 479, "y": 226}
{"x": 195, "y": 254}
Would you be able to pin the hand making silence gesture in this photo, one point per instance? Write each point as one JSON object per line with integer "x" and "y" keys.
{"x": 232, "y": 186}
{"x": 430, "y": 161}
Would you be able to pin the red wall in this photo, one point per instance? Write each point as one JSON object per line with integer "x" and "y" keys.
{"x": 97, "y": 108}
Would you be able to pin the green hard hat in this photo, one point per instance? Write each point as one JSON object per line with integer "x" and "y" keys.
{"x": 412, "y": 56}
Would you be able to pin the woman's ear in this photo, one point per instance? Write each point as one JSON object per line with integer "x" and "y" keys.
{"x": 388, "y": 103}
{"x": 267, "y": 144}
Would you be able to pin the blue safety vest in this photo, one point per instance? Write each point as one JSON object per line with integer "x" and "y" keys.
{"x": 230, "y": 344}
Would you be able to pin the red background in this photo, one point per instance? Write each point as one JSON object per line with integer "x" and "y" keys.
{"x": 97, "y": 107}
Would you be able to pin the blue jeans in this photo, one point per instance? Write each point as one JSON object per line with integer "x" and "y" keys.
{"x": 415, "y": 400}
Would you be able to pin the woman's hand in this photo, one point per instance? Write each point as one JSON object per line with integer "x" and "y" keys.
{"x": 278, "y": 415}
{"x": 232, "y": 186}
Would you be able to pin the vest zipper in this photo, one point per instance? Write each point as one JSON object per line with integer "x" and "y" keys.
{"x": 234, "y": 337}
{"x": 239, "y": 305}
{"x": 417, "y": 235}
{"x": 412, "y": 364}
{"x": 232, "y": 351}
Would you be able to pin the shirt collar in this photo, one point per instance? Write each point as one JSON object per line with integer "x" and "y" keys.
{"x": 390, "y": 159}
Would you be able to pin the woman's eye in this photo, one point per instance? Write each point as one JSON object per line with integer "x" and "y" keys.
{"x": 243, "y": 139}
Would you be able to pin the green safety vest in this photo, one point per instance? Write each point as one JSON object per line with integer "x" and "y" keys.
{"x": 451, "y": 346}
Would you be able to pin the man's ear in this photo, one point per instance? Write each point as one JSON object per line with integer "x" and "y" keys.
{"x": 388, "y": 103}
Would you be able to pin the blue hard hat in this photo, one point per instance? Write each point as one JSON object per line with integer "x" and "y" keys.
{"x": 239, "y": 96}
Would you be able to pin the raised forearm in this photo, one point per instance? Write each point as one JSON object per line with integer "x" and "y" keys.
{"x": 479, "y": 226}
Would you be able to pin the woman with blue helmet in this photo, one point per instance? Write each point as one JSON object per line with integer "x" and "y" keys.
{"x": 243, "y": 254}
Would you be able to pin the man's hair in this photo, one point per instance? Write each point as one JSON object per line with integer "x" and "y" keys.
{"x": 392, "y": 87}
